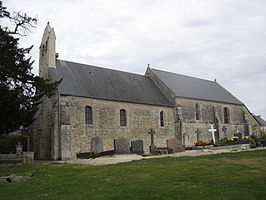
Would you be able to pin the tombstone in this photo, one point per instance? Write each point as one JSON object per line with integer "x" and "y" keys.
{"x": 19, "y": 148}
{"x": 97, "y": 144}
{"x": 122, "y": 146}
{"x": 28, "y": 158}
{"x": 137, "y": 147}
{"x": 171, "y": 143}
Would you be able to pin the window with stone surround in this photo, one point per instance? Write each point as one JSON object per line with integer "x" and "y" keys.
{"x": 88, "y": 115}
{"x": 197, "y": 109}
{"x": 226, "y": 115}
{"x": 123, "y": 118}
{"x": 161, "y": 118}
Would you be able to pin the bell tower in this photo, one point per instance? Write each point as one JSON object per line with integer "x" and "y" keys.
{"x": 47, "y": 55}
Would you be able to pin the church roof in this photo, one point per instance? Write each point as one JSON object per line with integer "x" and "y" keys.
{"x": 261, "y": 121}
{"x": 190, "y": 87}
{"x": 101, "y": 83}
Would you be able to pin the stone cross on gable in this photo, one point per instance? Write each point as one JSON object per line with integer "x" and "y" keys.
{"x": 213, "y": 130}
{"x": 198, "y": 134}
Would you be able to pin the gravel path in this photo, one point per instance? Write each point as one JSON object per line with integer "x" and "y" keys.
{"x": 108, "y": 160}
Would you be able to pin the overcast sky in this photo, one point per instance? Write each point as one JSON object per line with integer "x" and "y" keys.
{"x": 222, "y": 39}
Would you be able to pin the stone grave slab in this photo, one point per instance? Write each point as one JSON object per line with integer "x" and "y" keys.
{"x": 171, "y": 143}
{"x": 122, "y": 146}
{"x": 97, "y": 144}
{"x": 137, "y": 147}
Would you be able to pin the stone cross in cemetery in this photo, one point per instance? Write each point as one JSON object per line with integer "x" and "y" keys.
{"x": 224, "y": 130}
{"x": 212, "y": 130}
{"x": 152, "y": 146}
{"x": 198, "y": 134}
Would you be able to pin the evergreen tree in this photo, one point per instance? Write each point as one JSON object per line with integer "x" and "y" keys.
{"x": 20, "y": 90}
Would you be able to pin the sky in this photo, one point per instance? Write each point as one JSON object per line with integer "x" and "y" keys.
{"x": 222, "y": 39}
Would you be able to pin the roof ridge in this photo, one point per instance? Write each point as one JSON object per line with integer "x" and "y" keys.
{"x": 105, "y": 68}
{"x": 184, "y": 75}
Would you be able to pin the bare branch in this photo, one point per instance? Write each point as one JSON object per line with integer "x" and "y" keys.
{"x": 22, "y": 23}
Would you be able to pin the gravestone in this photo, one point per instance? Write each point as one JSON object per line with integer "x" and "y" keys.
{"x": 19, "y": 148}
{"x": 122, "y": 146}
{"x": 97, "y": 144}
{"x": 28, "y": 158}
{"x": 171, "y": 143}
{"x": 137, "y": 147}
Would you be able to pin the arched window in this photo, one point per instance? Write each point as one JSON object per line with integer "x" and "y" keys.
{"x": 197, "y": 111}
{"x": 226, "y": 115}
{"x": 88, "y": 115}
{"x": 161, "y": 118}
{"x": 123, "y": 118}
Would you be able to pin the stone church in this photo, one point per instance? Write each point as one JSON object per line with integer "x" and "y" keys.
{"x": 109, "y": 104}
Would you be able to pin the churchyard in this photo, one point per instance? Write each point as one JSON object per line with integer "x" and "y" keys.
{"x": 238, "y": 175}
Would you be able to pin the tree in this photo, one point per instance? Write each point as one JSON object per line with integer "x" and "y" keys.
{"x": 20, "y": 90}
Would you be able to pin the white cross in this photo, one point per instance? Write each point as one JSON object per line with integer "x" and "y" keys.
{"x": 213, "y": 131}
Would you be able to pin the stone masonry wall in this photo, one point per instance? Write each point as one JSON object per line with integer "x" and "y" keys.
{"x": 76, "y": 135}
{"x": 44, "y": 130}
{"x": 206, "y": 117}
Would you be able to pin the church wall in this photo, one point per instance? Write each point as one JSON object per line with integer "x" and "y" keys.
{"x": 44, "y": 130}
{"x": 76, "y": 135}
{"x": 206, "y": 117}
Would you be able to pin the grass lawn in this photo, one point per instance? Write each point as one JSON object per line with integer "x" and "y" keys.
{"x": 224, "y": 176}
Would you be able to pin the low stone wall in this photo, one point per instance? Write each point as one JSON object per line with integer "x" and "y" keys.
{"x": 25, "y": 158}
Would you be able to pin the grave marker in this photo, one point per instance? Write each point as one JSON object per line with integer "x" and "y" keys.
{"x": 122, "y": 146}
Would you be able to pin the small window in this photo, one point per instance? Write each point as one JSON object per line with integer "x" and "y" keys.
{"x": 226, "y": 115}
{"x": 161, "y": 118}
{"x": 197, "y": 111}
{"x": 88, "y": 115}
{"x": 123, "y": 118}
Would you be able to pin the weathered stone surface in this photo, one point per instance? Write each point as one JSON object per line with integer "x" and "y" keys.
{"x": 28, "y": 158}
{"x": 13, "y": 178}
{"x": 137, "y": 147}
{"x": 97, "y": 144}
{"x": 171, "y": 143}
{"x": 121, "y": 146}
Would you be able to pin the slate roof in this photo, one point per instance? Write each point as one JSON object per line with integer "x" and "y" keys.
{"x": 261, "y": 121}
{"x": 101, "y": 83}
{"x": 190, "y": 87}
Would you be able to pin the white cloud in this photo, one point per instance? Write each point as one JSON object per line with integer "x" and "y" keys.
{"x": 222, "y": 39}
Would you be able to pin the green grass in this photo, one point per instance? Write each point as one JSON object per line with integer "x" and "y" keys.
{"x": 224, "y": 176}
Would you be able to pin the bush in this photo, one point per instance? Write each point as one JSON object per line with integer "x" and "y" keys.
{"x": 8, "y": 143}
{"x": 221, "y": 142}
{"x": 252, "y": 143}
{"x": 263, "y": 135}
